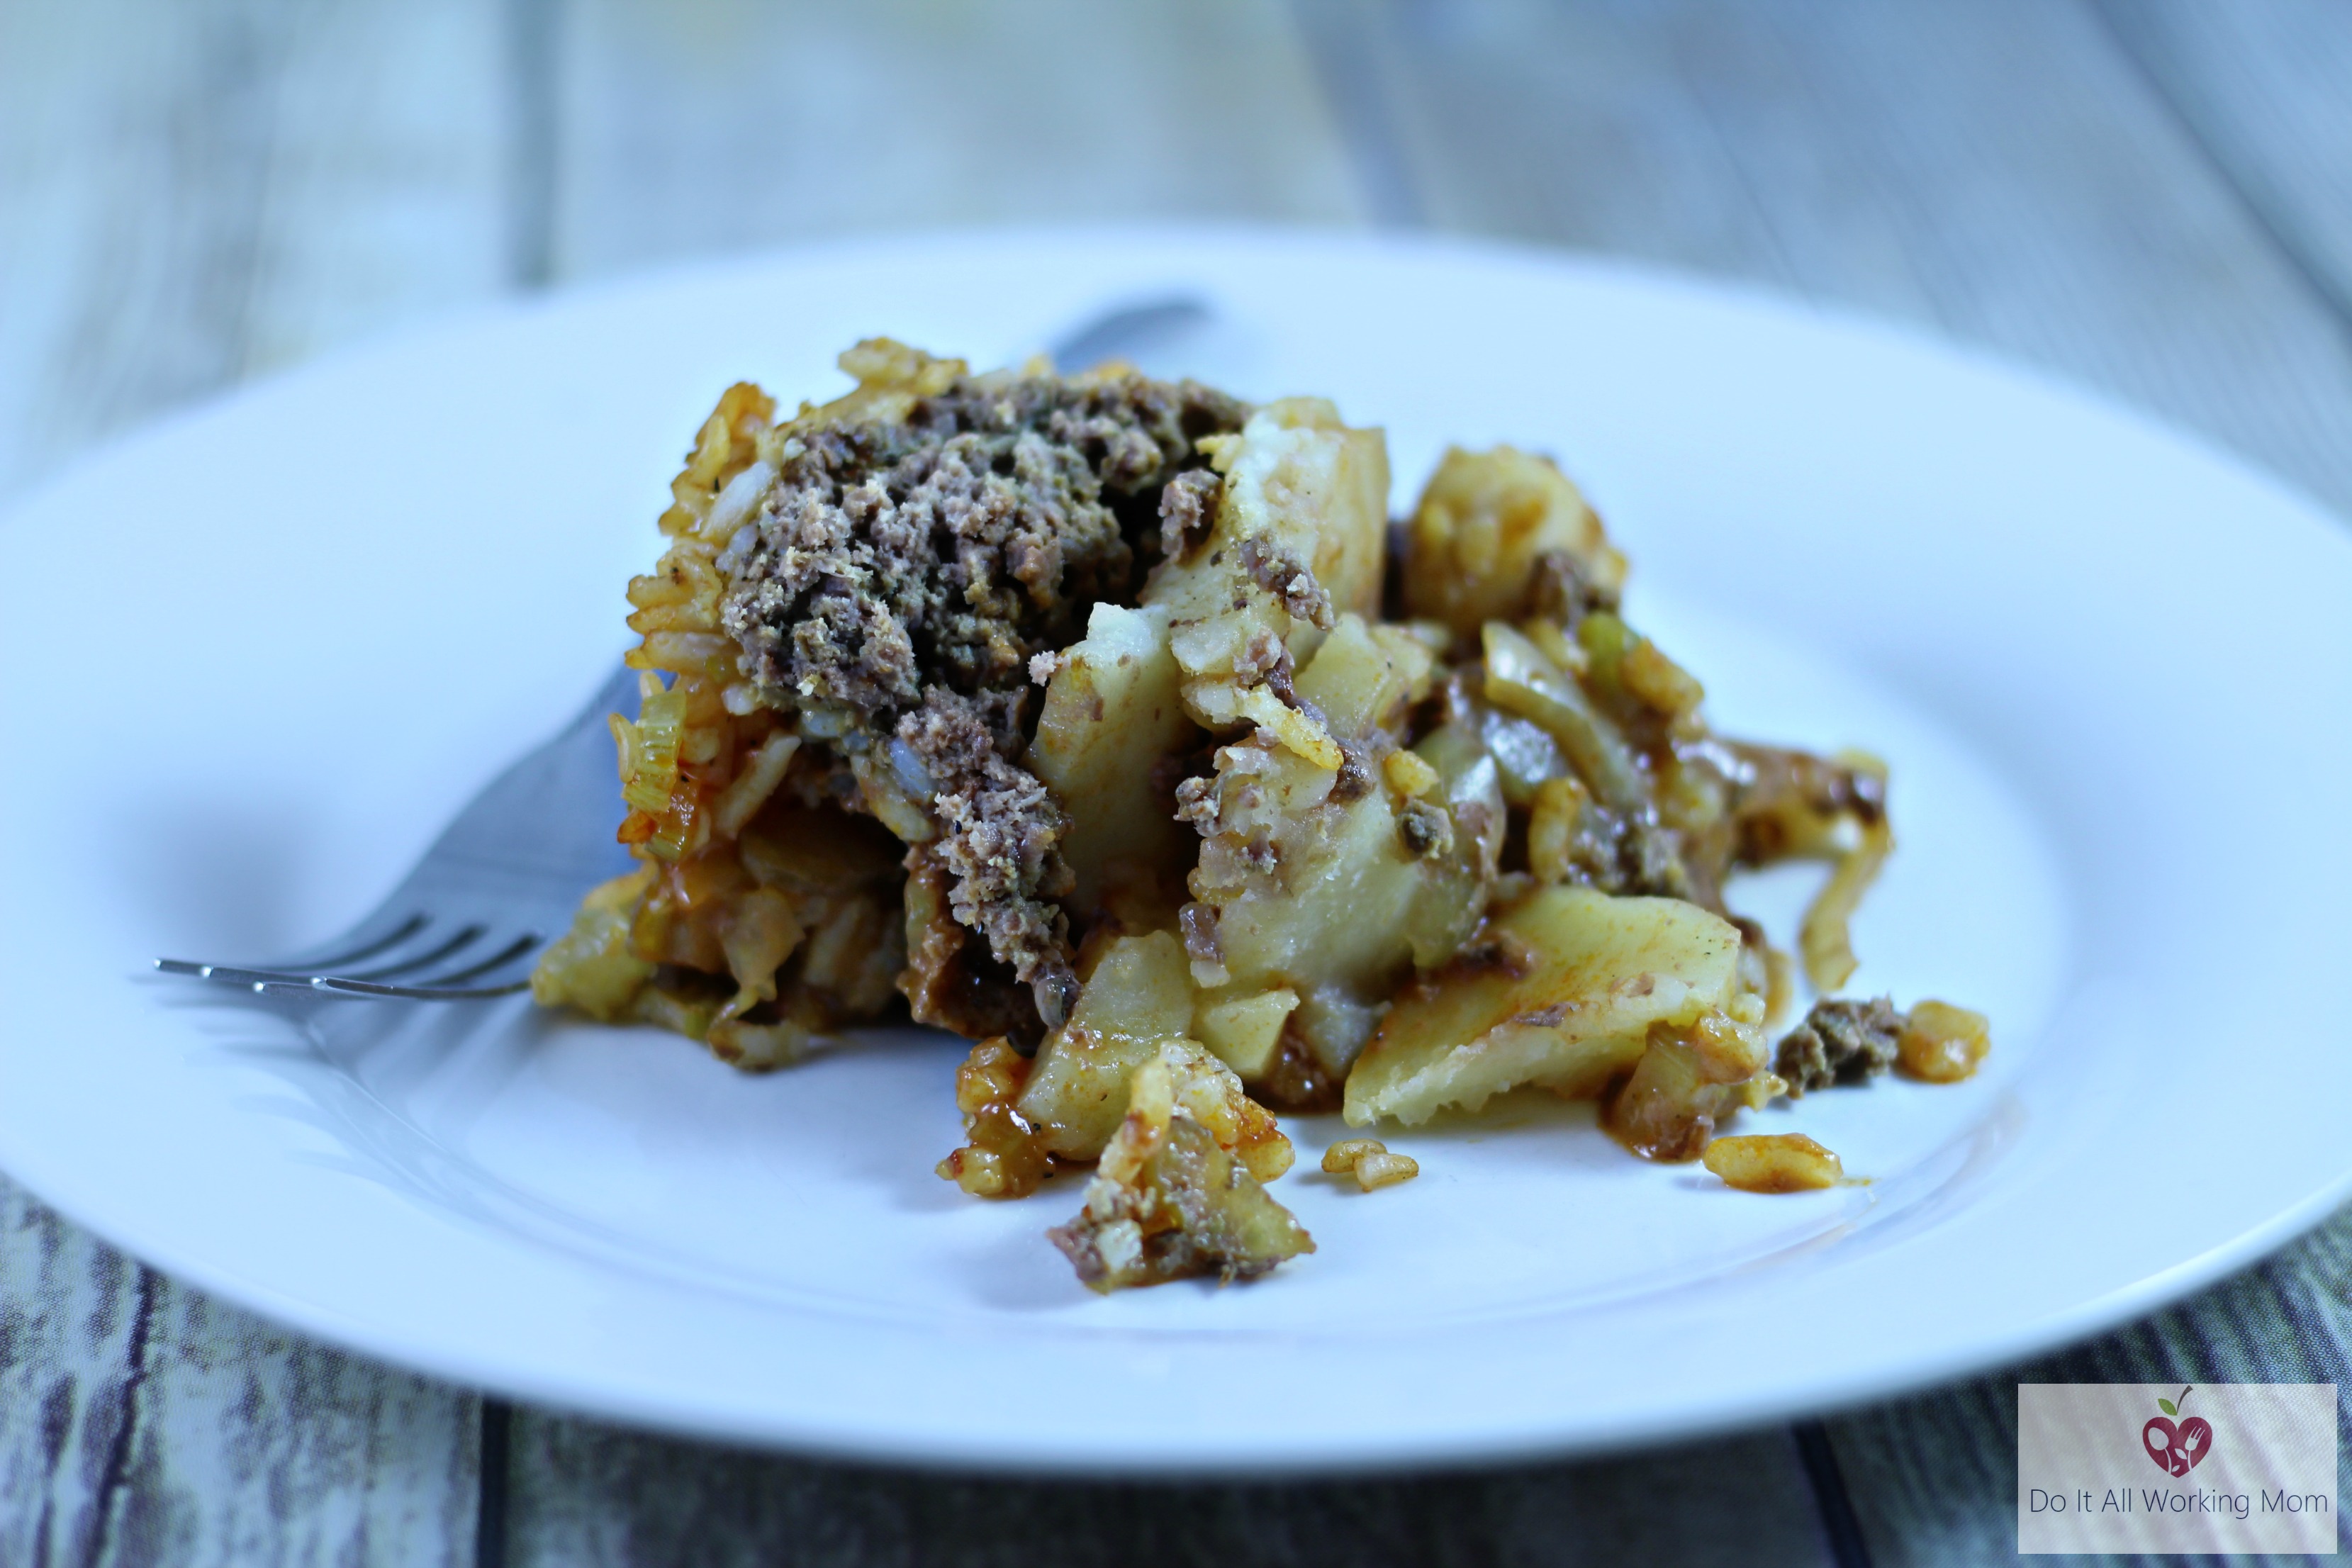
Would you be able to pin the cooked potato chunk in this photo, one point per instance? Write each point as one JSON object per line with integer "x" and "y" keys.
{"x": 1484, "y": 526}
{"x": 1137, "y": 997}
{"x": 1297, "y": 539}
{"x": 1170, "y": 1200}
{"x": 1136, "y": 1007}
{"x": 1689, "y": 1077}
{"x": 1362, "y": 674}
{"x": 1002, "y": 1156}
{"x": 1563, "y": 993}
{"x": 1245, "y": 1031}
{"x": 1331, "y": 885}
{"x": 1307, "y": 887}
{"x": 1113, "y": 714}
{"x": 1942, "y": 1044}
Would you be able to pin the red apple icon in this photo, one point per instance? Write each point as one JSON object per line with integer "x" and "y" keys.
{"x": 2176, "y": 1448}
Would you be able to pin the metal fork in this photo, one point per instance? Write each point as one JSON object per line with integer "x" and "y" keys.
{"x": 501, "y": 882}
{"x": 505, "y": 876}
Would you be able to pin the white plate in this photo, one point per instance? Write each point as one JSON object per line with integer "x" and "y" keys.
{"x": 258, "y": 655}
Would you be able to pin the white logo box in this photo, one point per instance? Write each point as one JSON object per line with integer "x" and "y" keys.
{"x": 2096, "y": 1465}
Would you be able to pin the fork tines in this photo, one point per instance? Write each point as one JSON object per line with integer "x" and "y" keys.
{"x": 420, "y": 976}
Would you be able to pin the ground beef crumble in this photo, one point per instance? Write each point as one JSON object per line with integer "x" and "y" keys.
{"x": 1426, "y": 830}
{"x": 1188, "y": 509}
{"x": 1000, "y": 830}
{"x": 1290, "y": 580}
{"x": 904, "y": 572}
{"x": 1839, "y": 1042}
{"x": 1204, "y": 943}
{"x": 1196, "y": 804}
{"x": 1354, "y": 779}
{"x": 952, "y": 545}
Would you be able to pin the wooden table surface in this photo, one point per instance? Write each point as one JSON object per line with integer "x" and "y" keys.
{"x": 2152, "y": 198}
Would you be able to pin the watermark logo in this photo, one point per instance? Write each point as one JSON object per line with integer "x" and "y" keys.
{"x": 2177, "y": 1449}
{"x": 2253, "y": 1470}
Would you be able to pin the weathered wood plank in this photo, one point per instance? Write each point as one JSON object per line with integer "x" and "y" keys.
{"x": 252, "y": 1445}
{"x": 73, "y": 1317}
{"x": 146, "y": 1424}
{"x": 2267, "y": 91}
{"x": 1998, "y": 171}
{"x": 189, "y": 195}
{"x": 716, "y": 124}
{"x": 585, "y": 1495}
{"x": 194, "y": 193}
